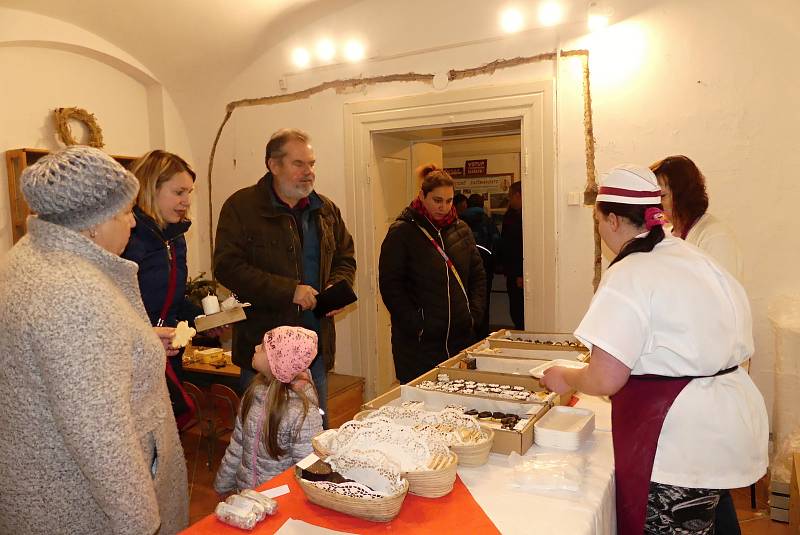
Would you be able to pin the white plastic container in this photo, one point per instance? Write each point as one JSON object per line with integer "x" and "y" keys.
{"x": 565, "y": 428}
{"x": 538, "y": 371}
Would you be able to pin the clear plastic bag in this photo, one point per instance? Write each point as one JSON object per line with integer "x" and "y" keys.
{"x": 236, "y": 516}
{"x": 237, "y": 500}
{"x": 548, "y": 471}
{"x": 269, "y": 504}
{"x": 246, "y": 509}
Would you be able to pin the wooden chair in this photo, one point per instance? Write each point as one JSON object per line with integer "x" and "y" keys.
{"x": 201, "y": 417}
{"x": 199, "y": 400}
{"x": 224, "y": 407}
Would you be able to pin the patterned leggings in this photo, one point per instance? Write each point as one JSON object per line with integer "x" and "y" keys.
{"x": 679, "y": 510}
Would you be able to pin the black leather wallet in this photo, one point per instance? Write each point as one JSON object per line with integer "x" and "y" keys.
{"x": 337, "y": 296}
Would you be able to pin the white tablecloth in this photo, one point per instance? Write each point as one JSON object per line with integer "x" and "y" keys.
{"x": 588, "y": 511}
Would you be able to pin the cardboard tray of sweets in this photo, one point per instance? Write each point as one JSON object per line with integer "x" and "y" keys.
{"x": 506, "y": 366}
{"x": 508, "y": 361}
{"x": 528, "y": 340}
{"x": 505, "y": 440}
{"x": 529, "y": 354}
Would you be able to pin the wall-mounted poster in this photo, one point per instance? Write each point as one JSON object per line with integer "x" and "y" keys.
{"x": 493, "y": 188}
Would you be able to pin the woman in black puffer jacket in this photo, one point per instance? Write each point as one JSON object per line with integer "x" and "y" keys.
{"x": 434, "y": 304}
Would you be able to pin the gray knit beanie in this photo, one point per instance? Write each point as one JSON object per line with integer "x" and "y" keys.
{"x": 78, "y": 187}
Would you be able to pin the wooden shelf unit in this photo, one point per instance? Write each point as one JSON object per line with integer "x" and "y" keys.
{"x": 16, "y": 161}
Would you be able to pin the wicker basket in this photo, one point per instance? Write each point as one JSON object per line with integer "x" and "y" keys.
{"x": 434, "y": 483}
{"x": 475, "y": 454}
{"x": 376, "y": 509}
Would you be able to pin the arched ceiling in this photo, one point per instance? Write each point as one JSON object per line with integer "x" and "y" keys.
{"x": 187, "y": 41}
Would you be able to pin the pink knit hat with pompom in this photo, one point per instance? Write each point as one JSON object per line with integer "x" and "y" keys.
{"x": 290, "y": 351}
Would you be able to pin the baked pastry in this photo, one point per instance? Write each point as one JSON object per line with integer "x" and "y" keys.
{"x": 183, "y": 333}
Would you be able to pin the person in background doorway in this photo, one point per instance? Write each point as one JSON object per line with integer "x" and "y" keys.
{"x": 431, "y": 279}
{"x": 279, "y": 414}
{"x": 685, "y": 200}
{"x": 460, "y": 202}
{"x": 278, "y": 244}
{"x": 668, "y": 329}
{"x": 511, "y": 255}
{"x": 89, "y": 441}
{"x": 485, "y": 233}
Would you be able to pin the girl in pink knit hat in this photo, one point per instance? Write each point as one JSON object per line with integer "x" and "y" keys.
{"x": 279, "y": 414}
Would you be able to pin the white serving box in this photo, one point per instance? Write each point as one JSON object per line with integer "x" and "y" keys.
{"x": 565, "y": 428}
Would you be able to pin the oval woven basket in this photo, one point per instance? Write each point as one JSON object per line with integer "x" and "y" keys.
{"x": 436, "y": 482}
{"x": 375, "y": 509}
{"x": 475, "y": 454}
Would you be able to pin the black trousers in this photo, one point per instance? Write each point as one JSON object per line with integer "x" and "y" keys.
{"x": 516, "y": 303}
{"x": 726, "y": 522}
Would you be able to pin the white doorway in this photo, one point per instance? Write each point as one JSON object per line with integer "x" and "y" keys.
{"x": 386, "y": 139}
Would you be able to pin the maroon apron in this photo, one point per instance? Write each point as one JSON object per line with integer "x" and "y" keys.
{"x": 637, "y": 415}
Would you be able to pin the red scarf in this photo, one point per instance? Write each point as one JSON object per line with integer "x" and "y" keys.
{"x": 451, "y": 216}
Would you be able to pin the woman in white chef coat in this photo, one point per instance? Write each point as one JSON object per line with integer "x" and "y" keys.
{"x": 668, "y": 329}
{"x": 685, "y": 201}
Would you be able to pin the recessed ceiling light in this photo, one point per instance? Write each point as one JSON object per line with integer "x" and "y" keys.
{"x": 325, "y": 49}
{"x": 550, "y": 13}
{"x": 300, "y": 57}
{"x": 511, "y": 20}
{"x": 353, "y": 50}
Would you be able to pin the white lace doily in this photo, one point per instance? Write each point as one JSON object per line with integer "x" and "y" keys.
{"x": 450, "y": 425}
{"x": 350, "y": 489}
{"x": 372, "y": 469}
{"x": 410, "y": 449}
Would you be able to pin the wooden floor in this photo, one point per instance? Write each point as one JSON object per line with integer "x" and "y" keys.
{"x": 203, "y": 499}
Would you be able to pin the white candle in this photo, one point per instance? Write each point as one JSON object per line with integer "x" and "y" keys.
{"x": 210, "y": 304}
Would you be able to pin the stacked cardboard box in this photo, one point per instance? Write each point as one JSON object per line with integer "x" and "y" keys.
{"x": 779, "y": 500}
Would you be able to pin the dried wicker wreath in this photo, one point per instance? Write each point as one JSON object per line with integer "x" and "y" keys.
{"x": 62, "y": 117}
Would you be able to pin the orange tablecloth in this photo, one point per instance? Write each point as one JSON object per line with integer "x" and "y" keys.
{"x": 458, "y": 512}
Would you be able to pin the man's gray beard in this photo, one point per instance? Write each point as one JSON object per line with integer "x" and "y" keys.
{"x": 295, "y": 192}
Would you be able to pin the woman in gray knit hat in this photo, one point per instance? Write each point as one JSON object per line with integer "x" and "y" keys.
{"x": 90, "y": 443}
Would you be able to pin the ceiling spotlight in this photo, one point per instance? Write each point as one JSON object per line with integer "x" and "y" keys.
{"x": 511, "y": 20}
{"x": 550, "y": 13}
{"x": 326, "y": 50}
{"x": 353, "y": 50}
{"x": 300, "y": 57}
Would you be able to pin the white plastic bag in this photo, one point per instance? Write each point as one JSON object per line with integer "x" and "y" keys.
{"x": 548, "y": 471}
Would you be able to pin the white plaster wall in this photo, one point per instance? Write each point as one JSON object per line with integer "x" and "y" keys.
{"x": 709, "y": 79}
{"x": 48, "y": 64}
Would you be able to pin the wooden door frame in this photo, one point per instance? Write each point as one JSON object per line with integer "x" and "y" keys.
{"x": 532, "y": 103}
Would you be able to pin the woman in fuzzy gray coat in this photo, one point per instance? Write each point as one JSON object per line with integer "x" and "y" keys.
{"x": 90, "y": 444}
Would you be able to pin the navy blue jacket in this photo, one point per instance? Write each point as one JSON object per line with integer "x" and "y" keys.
{"x": 148, "y": 248}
